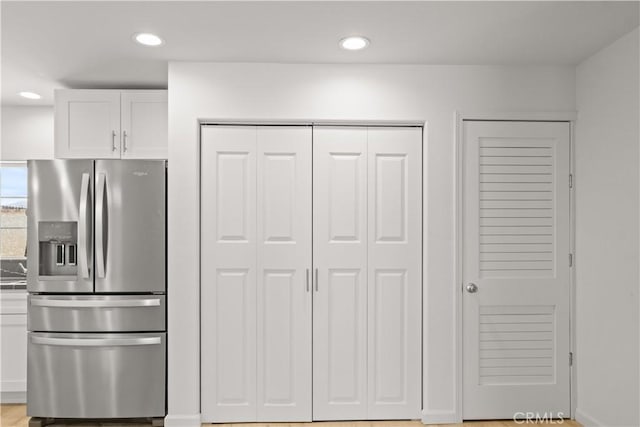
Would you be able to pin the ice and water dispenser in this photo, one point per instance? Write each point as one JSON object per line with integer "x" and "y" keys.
{"x": 58, "y": 249}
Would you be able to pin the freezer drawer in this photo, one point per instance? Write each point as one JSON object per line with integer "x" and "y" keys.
{"x": 96, "y": 313}
{"x": 96, "y": 375}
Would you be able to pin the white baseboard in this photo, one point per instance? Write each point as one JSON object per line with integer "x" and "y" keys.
{"x": 587, "y": 420}
{"x": 192, "y": 420}
{"x": 440, "y": 417}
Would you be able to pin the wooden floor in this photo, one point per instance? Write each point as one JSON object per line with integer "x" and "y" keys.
{"x": 15, "y": 416}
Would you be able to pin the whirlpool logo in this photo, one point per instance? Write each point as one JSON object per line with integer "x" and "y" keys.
{"x": 537, "y": 418}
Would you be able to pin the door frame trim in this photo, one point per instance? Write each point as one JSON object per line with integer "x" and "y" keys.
{"x": 458, "y": 118}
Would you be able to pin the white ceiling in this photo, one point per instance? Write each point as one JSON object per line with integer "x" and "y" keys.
{"x": 87, "y": 44}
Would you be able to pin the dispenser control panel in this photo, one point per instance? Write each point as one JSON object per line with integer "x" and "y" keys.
{"x": 58, "y": 243}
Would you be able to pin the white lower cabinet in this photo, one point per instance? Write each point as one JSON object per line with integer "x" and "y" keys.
{"x": 310, "y": 245}
{"x": 13, "y": 346}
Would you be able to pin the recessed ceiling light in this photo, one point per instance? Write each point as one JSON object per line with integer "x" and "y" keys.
{"x": 30, "y": 95}
{"x": 148, "y": 39}
{"x": 354, "y": 43}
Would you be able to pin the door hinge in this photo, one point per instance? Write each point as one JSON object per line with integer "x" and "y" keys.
{"x": 570, "y": 260}
{"x": 570, "y": 358}
{"x": 570, "y": 180}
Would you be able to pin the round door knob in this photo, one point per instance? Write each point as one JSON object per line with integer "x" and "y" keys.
{"x": 472, "y": 288}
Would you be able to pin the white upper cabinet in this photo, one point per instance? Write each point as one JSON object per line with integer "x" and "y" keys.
{"x": 144, "y": 124}
{"x": 111, "y": 124}
{"x": 87, "y": 124}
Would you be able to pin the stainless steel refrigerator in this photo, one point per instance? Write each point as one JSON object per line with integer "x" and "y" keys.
{"x": 97, "y": 289}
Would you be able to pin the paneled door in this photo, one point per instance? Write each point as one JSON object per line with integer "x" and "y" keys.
{"x": 284, "y": 273}
{"x": 228, "y": 273}
{"x": 340, "y": 273}
{"x": 367, "y": 261}
{"x": 256, "y": 268}
{"x": 394, "y": 273}
{"x": 516, "y": 273}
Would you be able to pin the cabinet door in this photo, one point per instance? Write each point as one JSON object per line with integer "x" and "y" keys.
{"x": 87, "y": 124}
{"x": 228, "y": 273}
{"x": 13, "y": 344}
{"x": 394, "y": 272}
{"x": 283, "y": 273}
{"x": 340, "y": 269}
{"x": 144, "y": 124}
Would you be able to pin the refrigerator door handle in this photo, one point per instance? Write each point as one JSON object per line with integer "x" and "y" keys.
{"x": 71, "y": 303}
{"x": 95, "y": 342}
{"x": 83, "y": 227}
{"x": 100, "y": 225}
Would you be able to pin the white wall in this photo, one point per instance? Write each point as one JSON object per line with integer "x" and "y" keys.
{"x": 607, "y": 254}
{"x": 330, "y": 92}
{"x": 27, "y": 133}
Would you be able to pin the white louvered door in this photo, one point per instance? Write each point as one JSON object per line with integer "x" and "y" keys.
{"x": 516, "y": 253}
{"x": 256, "y": 261}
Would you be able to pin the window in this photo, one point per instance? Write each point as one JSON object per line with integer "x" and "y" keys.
{"x": 13, "y": 217}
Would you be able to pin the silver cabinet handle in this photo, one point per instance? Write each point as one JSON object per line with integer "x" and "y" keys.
{"x": 307, "y": 280}
{"x": 100, "y": 225}
{"x": 113, "y": 141}
{"x": 143, "y": 302}
{"x": 124, "y": 141}
{"x": 316, "y": 280}
{"x": 95, "y": 342}
{"x": 84, "y": 226}
{"x": 472, "y": 288}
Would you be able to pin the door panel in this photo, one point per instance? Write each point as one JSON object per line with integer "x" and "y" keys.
{"x": 516, "y": 246}
{"x": 130, "y": 201}
{"x": 144, "y": 124}
{"x": 340, "y": 260}
{"x": 228, "y": 273}
{"x": 61, "y": 208}
{"x": 283, "y": 279}
{"x": 395, "y": 272}
{"x": 87, "y": 124}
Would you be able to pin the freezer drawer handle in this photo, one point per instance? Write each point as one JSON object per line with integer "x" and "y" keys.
{"x": 95, "y": 342}
{"x": 84, "y": 226}
{"x": 146, "y": 302}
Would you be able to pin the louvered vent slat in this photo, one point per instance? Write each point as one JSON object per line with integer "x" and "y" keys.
{"x": 516, "y": 221}
{"x": 514, "y": 177}
{"x": 516, "y": 344}
{"x": 516, "y": 186}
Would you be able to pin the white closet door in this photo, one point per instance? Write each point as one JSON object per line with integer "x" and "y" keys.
{"x": 228, "y": 273}
{"x": 516, "y": 269}
{"x": 394, "y": 272}
{"x": 284, "y": 273}
{"x": 340, "y": 260}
